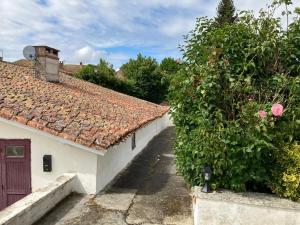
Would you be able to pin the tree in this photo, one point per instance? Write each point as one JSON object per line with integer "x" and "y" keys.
{"x": 226, "y": 12}
{"x": 133, "y": 67}
{"x": 88, "y": 73}
{"x": 97, "y": 73}
{"x": 147, "y": 77}
{"x": 144, "y": 81}
{"x": 105, "y": 69}
{"x": 102, "y": 74}
{"x": 169, "y": 66}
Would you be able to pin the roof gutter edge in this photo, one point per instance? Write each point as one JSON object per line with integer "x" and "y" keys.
{"x": 101, "y": 152}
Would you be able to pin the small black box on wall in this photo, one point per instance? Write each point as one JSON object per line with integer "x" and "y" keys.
{"x": 47, "y": 163}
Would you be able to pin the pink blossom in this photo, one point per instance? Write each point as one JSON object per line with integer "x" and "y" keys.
{"x": 277, "y": 110}
{"x": 262, "y": 114}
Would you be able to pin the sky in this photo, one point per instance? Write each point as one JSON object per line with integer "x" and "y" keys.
{"x": 116, "y": 30}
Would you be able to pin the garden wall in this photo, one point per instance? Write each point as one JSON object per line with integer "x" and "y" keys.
{"x": 228, "y": 208}
{"x": 31, "y": 208}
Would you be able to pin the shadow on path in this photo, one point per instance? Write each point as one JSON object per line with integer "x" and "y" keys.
{"x": 148, "y": 192}
{"x": 152, "y": 165}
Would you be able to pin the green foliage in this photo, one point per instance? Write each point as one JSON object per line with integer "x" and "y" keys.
{"x": 226, "y": 12}
{"x": 145, "y": 73}
{"x": 88, "y": 73}
{"x": 234, "y": 71}
{"x": 133, "y": 68}
{"x": 105, "y": 69}
{"x": 95, "y": 73}
{"x": 102, "y": 75}
{"x": 144, "y": 78}
{"x": 286, "y": 179}
{"x": 170, "y": 66}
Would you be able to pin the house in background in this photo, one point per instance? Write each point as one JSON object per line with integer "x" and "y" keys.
{"x": 23, "y": 62}
{"x": 47, "y": 129}
{"x": 120, "y": 74}
{"x": 71, "y": 68}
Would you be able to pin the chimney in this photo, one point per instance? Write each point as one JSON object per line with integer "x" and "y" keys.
{"x": 47, "y": 63}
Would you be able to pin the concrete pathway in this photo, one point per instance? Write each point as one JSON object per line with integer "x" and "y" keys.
{"x": 148, "y": 192}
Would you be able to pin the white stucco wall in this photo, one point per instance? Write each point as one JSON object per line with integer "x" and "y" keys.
{"x": 65, "y": 159}
{"x": 94, "y": 171}
{"x": 119, "y": 156}
{"x": 230, "y": 208}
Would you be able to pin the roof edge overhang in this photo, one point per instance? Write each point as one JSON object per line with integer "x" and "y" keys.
{"x": 53, "y": 137}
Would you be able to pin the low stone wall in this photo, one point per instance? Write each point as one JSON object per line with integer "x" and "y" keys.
{"x": 31, "y": 208}
{"x": 228, "y": 208}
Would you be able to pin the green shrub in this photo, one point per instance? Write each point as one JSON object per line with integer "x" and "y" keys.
{"x": 234, "y": 75}
{"x": 147, "y": 78}
{"x": 286, "y": 176}
{"x": 144, "y": 78}
{"x": 95, "y": 75}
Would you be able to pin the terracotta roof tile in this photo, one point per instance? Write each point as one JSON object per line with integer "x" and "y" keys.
{"x": 73, "y": 109}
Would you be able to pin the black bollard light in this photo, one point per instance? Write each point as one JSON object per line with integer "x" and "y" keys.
{"x": 207, "y": 175}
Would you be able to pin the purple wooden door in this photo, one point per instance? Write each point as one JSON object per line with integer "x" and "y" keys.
{"x": 1, "y": 182}
{"x": 15, "y": 171}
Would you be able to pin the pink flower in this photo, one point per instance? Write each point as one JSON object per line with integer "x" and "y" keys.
{"x": 277, "y": 110}
{"x": 262, "y": 114}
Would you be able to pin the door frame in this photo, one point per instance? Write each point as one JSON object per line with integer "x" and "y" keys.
{"x": 2, "y": 200}
{"x": 27, "y": 162}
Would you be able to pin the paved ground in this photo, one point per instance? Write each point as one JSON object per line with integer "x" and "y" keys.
{"x": 148, "y": 192}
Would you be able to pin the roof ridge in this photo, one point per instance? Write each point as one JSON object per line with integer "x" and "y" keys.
{"x": 12, "y": 63}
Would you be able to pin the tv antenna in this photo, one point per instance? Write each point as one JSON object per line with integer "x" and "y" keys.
{"x": 29, "y": 53}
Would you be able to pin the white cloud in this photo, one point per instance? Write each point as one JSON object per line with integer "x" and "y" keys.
{"x": 177, "y": 26}
{"x": 87, "y": 54}
{"x": 114, "y": 29}
{"x": 170, "y": 3}
{"x": 117, "y": 59}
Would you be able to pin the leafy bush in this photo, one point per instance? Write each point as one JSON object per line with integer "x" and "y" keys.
{"x": 104, "y": 68}
{"x": 146, "y": 75}
{"x": 144, "y": 78}
{"x": 170, "y": 66}
{"x": 132, "y": 68}
{"x": 94, "y": 75}
{"x": 224, "y": 103}
{"x": 286, "y": 178}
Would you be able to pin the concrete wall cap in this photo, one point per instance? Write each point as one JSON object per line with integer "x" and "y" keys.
{"x": 248, "y": 198}
{"x": 23, "y": 207}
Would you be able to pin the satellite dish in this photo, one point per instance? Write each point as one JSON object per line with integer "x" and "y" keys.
{"x": 29, "y": 53}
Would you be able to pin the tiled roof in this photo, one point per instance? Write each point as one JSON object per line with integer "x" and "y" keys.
{"x": 71, "y": 68}
{"x": 73, "y": 109}
{"x": 66, "y": 68}
{"x": 23, "y": 62}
